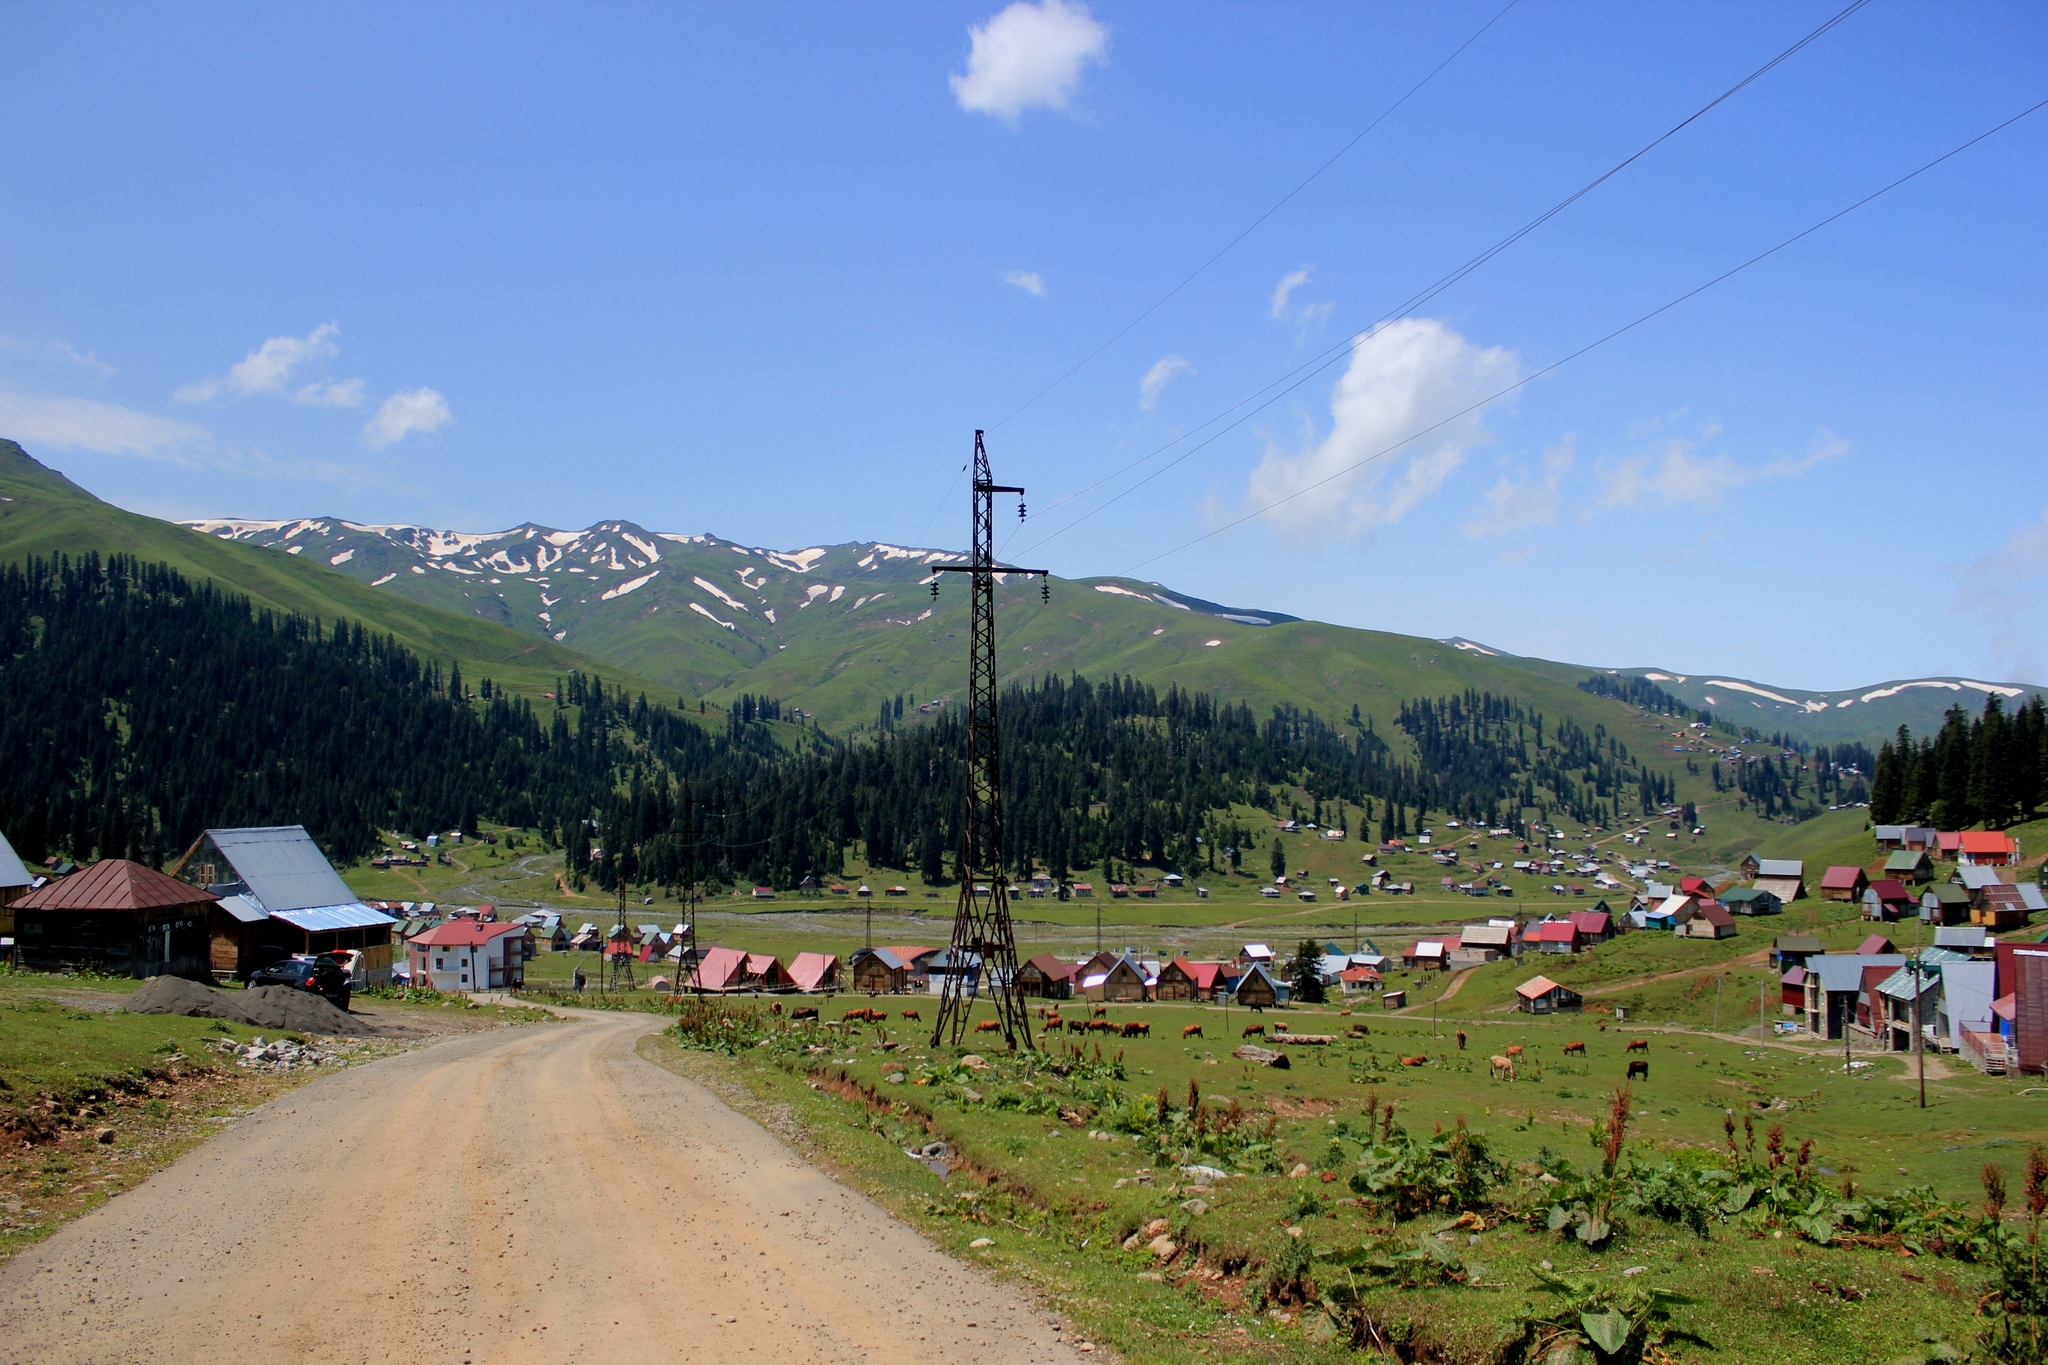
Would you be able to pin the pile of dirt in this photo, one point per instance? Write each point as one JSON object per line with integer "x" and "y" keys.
{"x": 278, "y": 1007}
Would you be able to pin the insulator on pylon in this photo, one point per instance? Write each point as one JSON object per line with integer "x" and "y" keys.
{"x": 1020, "y": 509}
{"x": 935, "y": 589}
{"x": 1045, "y": 590}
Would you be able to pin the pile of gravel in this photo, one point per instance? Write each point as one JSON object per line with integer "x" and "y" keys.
{"x": 281, "y": 1055}
{"x": 277, "y": 1007}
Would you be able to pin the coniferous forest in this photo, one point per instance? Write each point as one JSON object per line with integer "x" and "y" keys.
{"x": 1992, "y": 770}
{"x": 142, "y": 708}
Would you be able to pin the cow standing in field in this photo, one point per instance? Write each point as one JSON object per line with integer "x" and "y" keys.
{"x": 1254, "y": 1030}
{"x": 1099, "y": 1011}
{"x": 1638, "y": 1069}
{"x": 1500, "y": 1068}
{"x": 1570, "y": 1048}
{"x": 988, "y": 1026}
{"x": 913, "y": 1016}
{"x": 1637, "y": 1045}
{"x": 1515, "y": 1051}
{"x": 1137, "y": 1030}
{"x": 1461, "y": 1040}
{"x": 1191, "y": 1031}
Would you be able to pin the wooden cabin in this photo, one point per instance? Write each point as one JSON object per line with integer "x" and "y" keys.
{"x": 117, "y": 917}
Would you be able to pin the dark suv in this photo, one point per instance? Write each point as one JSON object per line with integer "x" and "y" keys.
{"x": 322, "y": 975}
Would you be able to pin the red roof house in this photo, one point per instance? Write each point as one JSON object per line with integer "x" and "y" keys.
{"x": 1986, "y": 848}
{"x": 1553, "y": 936}
{"x": 1594, "y": 926}
{"x": 1841, "y": 883}
{"x": 470, "y": 954}
{"x": 813, "y": 972}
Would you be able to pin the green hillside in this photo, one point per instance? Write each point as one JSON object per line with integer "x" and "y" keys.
{"x": 44, "y": 513}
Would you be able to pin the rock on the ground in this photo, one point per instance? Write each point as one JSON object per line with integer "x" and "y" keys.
{"x": 1264, "y": 1056}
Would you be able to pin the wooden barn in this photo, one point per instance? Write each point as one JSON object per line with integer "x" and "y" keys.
{"x": 1256, "y": 989}
{"x": 1181, "y": 979}
{"x": 1123, "y": 983}
{"x": 1541, "y": 995}
{"x": 118, "y": 917}
{"x": 1047, "y": 976}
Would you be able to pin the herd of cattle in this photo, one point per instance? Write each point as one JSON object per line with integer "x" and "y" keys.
{"x": 1499, "y": 1067}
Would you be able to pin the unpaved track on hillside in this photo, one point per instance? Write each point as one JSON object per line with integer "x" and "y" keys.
{"x": 533, "y": 1194}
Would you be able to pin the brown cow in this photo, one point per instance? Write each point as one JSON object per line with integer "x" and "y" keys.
{"x": 1137, "y": 1030}
{"x": 802, "y": 1013}
{"x": 1570, "y": 1048}
{"x": 1191, "y": 1031}
{"x": 1638, "y": 1068}
{"x": 1099, "y": 1011}
{"x": 1637, "y": 1045}
{"x": 1254, "y": 1030}
{"x": 1280, "y": 1026}
{"x": 1415, "y": 1061}
{"x": 1515, "y": 1050}
{"x": 1500, "y": 1068}
{"x": 988, "y": 1026}
{"x": 1461, "y": 1040}
{"x": 775, "y": 1007}
{"x": 1053, "y": 1023}
{"x": 913, "y": 1014}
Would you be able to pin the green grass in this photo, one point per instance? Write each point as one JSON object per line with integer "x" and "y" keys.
{"x": 1065, "y": 1202}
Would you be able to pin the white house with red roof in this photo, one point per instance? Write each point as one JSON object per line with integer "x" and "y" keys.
{"x": 470, "y": 955}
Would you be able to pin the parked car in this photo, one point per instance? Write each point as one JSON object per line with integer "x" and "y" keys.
{"x": 322, "y": 975}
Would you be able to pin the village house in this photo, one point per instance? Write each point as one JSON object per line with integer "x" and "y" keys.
{"x": 1967, "y": 990}
{"x": 1792, "y": 950}
{"x": 2002, "y": 906}
{"x": 1750, "y": 900}
{"x": 15, "y": 882}
{"x": 305, "y": 905}
{"x": 1047, "y": 976}
{"x": 1182, "y": 979}
{"x": 1901, "y": 1013}
{"x": 1911, "y": 866}
{"x": 470, "y": 954}
{"x": 1893, "y": 838}
{"x": 1593, "y": 926}
{"x": 1986, "y": 848}
{"x": 1843, "y": 883}
{"x": 878, "y": 971}
{"x": 812, "y": 973}
{"x": 1426, "y": 956}
{"x": 1945, "y": 903}
{"x": 1122, "y": 982}
{"x": 1556, "y": 936}
{"x": 1886, "y": 900}
{"x": 1792, "y": 991}
{"x": 118, "y": 917}
{"x": 953, "y": 964}
{"x": 1971, "y": 940}
{"x": 1257, "y": 989}
{"x": 1712, "y": 921}
{"x": 1784, "y": 878}
{"x": 1836, "y": 990}
{"x": 1360, "y": 981}
{"x": 1541, "y": 995}
{"x": 1482, "y": 943}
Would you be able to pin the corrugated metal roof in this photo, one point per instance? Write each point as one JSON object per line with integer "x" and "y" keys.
{"x": 316, "y": 919}
{"x": 243, "y": 909}
{"x": 1966, "y": 989}
{"x": 12, "y": 872}
{"x": 114, "y": 884}
{"x": 282, "y": 867}
{"x": 1781, "y": 867}
{"x": 1844, "y": 971}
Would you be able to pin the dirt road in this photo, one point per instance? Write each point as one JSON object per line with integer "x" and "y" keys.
{"x": 533, "y": 1194}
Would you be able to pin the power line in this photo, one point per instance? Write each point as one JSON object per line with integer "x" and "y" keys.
{"x": 1281, "y": 203}
{"x": 1308, "y": 369}
{"x": 1602, "y": 341}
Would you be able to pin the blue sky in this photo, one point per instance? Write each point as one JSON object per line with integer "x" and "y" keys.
{"x": 761, "y": 271}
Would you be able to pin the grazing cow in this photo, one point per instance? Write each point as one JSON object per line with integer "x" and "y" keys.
{"x": 1254, "y": 1030}
{"x": 913, "y": 1015}
{"x": 1639, "y": 1068}
{"x": 1415, "y": 1061}
{"x": 1099, "y": 1011}
{"x": 988, "y": 1026}
{"x": 1191, "y": 1031}
{"x": 1280, "y": 1027}
{"x": 1053, "y": 1023}
{"x": 1515, "y": 1050}
{"x": 1461, "y": 1040}
{"x": 1360, "y": 1031}
{"x": 1637, "y": 1045}
{"x": 802, "y": 1013}
{"x": 1500, "y": 1068}
{"x": 1137, "y": 1030}
{"x": 1570, "y": 1048}
{"x": 775, "y": 1007}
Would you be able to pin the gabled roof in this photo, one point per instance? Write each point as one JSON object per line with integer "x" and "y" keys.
{"x": 1487, "y": 936}
{"x": 1795, "y": 977}
{"x": 12, "y": 872}
{"x": 1844, "y": 971}
{"x": 1977, "y": 878}
{"x": 1255, "y": 972}
{"x": 1591, "y": 922}
{"x": 1962, "y": 936}
{"x": 1052, "y": 966}
{"x": 114, "y": 884}
{"x": 1888, "y": 889}
{"x": 1800, "y": 943}
{"x": 1551, "y": 931}
{"x": 1841, "y": 877}
{"x": 282, "y": 867}
{"x": 1875, "y": 943}
{"x": 1945, "y": 893}
{"x": 912, "y": 956}
{"x": 1899, "y": 985}
{"x": 1982, "y": 841}
{"x": 355, "y": 915}
{"x": 810, "y": 969}
{"x": 466, "y": 932}
{"x": 1356, "y": 975}
{"x": 1535, "y": 986}
{"x": 1781, "y": 867}
{"x": 721, "y": 969}
{"x": 1713, "y": 913}
{"x": 243, "y": 909}
{"x": 1905, "y": 860}
{"x": 886, "y": 956}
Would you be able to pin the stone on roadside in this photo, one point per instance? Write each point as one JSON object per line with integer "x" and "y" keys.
{"x": 981, "y": 1243}
{"x": 1164, "y": 1247}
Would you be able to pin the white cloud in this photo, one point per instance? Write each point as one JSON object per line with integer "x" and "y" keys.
{"x": 1520, "y": 502}
{"x": 268, "y": 369}
{"x": 1030, "y": 281}
{"x": 1159, "y": 376}
{"x": 1403, "y": 378}
{"x": 56, "y": 350}
{"x": 1291, "y": 281}
{"x": 1676, "y": 476}
{"x": 2002, "y": 589}
{"x": 103, "y": 428}
{"x": 1029, "y": 55}
{"x": 404, "y": 413}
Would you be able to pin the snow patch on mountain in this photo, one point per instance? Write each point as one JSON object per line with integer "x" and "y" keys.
{"x": 630, "y": 585}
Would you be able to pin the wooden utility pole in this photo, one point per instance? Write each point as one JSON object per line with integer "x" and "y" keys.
{"x": 984, "y": 948}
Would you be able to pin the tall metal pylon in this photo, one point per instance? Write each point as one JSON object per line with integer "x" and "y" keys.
{"x": 981, "y": 923}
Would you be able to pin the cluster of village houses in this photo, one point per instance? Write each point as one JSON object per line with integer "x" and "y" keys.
{"x": 241, "y": 899}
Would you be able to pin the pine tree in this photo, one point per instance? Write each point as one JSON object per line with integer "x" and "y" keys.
{"x": 1304, "y": 973}
{"x": 1279, "y": 861}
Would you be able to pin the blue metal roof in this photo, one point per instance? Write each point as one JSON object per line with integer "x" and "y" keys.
{"x": 315, "y": 919}
{"x": 12, "y": 873}
{"x": 281, "y": 866}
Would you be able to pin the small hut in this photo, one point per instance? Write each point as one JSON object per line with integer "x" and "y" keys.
{"x": 1541, "y": 995}
{"x": 120, "y": 917}
{"x": 1047, "y": 976}
{"x": 1256, "y": 989}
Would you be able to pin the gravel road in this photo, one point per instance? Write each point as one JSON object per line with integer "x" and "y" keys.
{"x": 527, "y": 1194}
